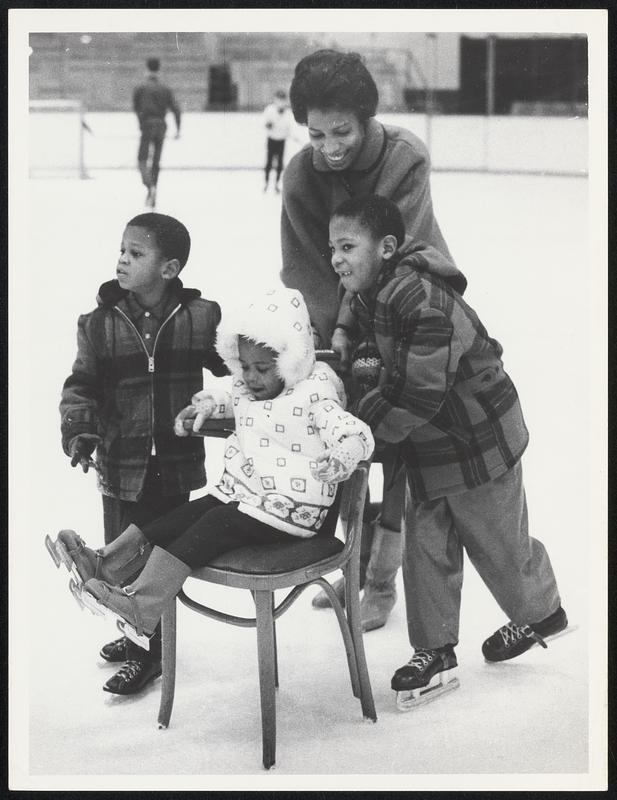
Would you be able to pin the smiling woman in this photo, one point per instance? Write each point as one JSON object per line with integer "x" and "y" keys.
{"x": 349, "y": 154}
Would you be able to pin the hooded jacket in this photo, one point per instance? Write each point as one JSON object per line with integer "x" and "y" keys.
{"x": 129, "y": 398}
{"x": 269, "y": 457}
{"x": 394, "y": 163}
{"x": 442, "y": 392}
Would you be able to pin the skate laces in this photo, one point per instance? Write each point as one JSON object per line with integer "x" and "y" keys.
{"x": 512, "y": 633}
{"x": 421, "y": 659}
{"x": 129, "y": 670}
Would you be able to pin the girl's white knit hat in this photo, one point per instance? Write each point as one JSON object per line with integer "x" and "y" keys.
{"x": 278, "y": 319}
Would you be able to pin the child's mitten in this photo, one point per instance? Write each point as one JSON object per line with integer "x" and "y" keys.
{"x": 193, "y": 417}
{"x": 81, "y": 448}
{"x": 339, "y": 463}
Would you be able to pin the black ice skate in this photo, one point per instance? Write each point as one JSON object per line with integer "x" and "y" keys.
{"x": 429, "y": 674}
{"x": 513, "y": 640}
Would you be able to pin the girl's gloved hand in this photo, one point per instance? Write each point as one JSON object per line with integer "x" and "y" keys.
{"x": 339, "y": 463}
{"x": 193, "y": 417}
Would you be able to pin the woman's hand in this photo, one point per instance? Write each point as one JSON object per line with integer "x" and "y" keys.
{"x": 342, "y": 344}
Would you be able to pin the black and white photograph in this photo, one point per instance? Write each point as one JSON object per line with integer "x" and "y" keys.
{"x": 307, "y": 399}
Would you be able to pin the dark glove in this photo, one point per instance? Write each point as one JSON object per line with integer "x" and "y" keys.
{"x": 81, "y": 449}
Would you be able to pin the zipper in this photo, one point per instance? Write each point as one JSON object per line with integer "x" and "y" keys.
{"x": 150, "y": 360}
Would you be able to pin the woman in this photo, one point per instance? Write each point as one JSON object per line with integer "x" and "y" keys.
{"x": 350, "y": 153}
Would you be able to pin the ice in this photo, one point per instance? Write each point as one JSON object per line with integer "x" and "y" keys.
{"x": 522, "y": 242}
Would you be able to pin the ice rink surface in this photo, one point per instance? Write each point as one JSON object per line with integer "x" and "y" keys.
{"x": 523, "y": 244}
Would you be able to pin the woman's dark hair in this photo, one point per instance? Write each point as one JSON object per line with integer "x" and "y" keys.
{"x": 329, "y": 79}
{"x": 171, "y": 235}
{"x": 381, "y": 216}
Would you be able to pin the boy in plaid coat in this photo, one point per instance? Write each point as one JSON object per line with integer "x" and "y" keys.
{"x": 140, "y": 356}
{"x": 434, "y": 381}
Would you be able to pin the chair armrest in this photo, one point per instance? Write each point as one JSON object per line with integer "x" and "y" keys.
{"x": 216, "y": 428}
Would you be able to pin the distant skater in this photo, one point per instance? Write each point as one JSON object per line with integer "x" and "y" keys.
{"x": 278, "y": 121}
{"x": 151, "y": 102}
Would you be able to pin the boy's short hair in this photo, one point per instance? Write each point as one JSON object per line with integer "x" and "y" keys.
{"x": 329, "y": 79}
{"x": 380, "y": 215}
{"x": 171, "y": 235}
{"x": 153, "y": 64}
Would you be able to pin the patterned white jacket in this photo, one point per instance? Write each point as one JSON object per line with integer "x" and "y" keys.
{"x": 268, "y": 459}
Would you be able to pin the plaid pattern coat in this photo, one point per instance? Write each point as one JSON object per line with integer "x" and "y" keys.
{"x": 443, "y": 393}
{"x": 130, "y": 399}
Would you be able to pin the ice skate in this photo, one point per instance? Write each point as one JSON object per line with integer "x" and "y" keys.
{"x": 137, "y": 608}
{"x": 115, "y": 563}
{"x": 87, "y": 600}
{"x": 428, "y": 675}
{"x": 70, "y": 549}
{"x": 513, "y": 640}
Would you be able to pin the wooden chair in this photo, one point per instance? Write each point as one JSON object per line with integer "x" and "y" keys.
{"x": 293, "y": 566}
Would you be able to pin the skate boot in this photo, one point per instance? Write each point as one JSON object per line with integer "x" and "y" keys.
{"x": 133, "y": 676}
{"x": 137, "y": 608}
{"x": 115, "y": 652}
{"x": 116, "y": 562}
{"x": 429, "y": 674}
{"x": 379, "y": 589}
{"x": 513, "y": 640}
{"x": 70, "y": 549}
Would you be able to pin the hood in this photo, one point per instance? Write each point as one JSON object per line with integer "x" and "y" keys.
{"x": 278, "y": 319}
{"x": 425, "y": 258}
{"x": 111, "y": 292}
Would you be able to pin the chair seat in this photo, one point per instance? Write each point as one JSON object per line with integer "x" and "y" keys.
{"x": 276, "y": 558}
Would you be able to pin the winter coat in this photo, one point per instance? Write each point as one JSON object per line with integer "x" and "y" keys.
{"x": 269, "y": 457}
{"x": 443, "y": 393}
{"x": 393, "y": 163}
{"x": 152, "y": 99}
{"x": 130, "y": 399}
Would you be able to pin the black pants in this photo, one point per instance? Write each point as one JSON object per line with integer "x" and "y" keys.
{"x": 119, "y": 514}
{"x": 276, "y": 150}
{"x": 150, "y": 149}
{"x": 203, "y": 529}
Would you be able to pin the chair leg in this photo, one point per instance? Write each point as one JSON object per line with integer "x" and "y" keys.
{"x": 266, "y": 659}
{"x": 168, "y": 658}
{"x": 352, "y": 607}
{"x": 276, "y": 658}
{"x": 350, "y": 649}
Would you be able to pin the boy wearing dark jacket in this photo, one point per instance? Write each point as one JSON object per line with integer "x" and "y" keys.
{"x": 434, "y": 382}
{"x": 140, "y": 356}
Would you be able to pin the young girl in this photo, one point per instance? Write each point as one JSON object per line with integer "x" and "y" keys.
{"x": 351, "y": 154}
{"x": 293, "y": 443}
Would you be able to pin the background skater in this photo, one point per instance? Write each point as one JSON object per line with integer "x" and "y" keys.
{"x": 151, "y": 102}
{"x": 278, "y": 122}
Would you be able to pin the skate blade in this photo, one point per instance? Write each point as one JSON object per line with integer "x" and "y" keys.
{"x": 99, "y": 609}
{"x": 129, "y": 631}
{"x": 440, "y": 684}
{"x": 60, "y": 555}
{"x": 77, "y": 593}
{"x": 56, "y": 550}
